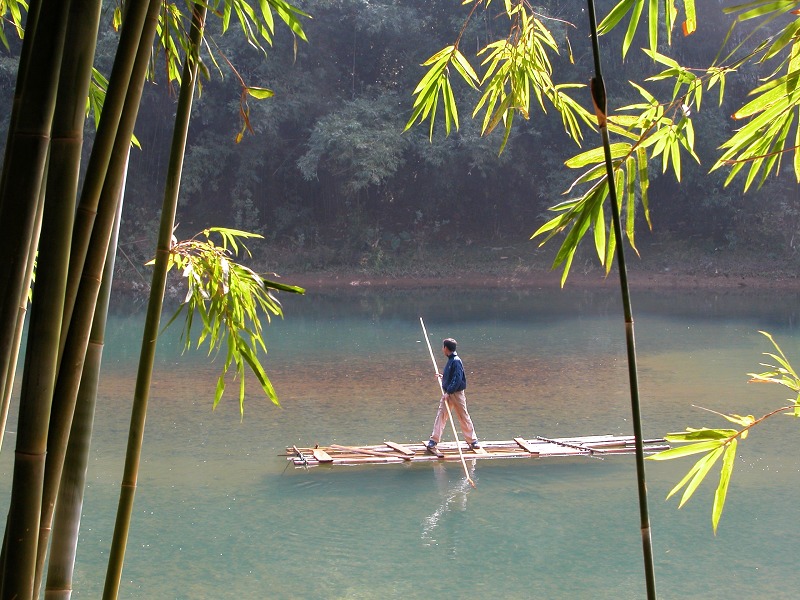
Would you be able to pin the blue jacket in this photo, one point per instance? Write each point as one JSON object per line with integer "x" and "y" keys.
{"x": 453, "y": 378}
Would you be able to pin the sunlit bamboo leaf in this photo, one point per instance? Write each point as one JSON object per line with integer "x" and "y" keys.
{"x": 450, "y": 110}
{"x": 219, "y": 390}
{"x": 787, "y": 36}
{"x": 613, "y": 18}
{"x": 675, "y": 155}
{"x": 705, "y": 466}
{"x": 701, "y": 434}
{"x": 760, "y": 8}
{"x": 670, "y": 15}
{"x": 796, "y": 153}
{"x": 780, "y": 91}
{"x": 240, "y": 373}
{"x": 507, "y": 132}
{"x": 688, "y": 450}
{"x": 498, "y": 115}
{"x": 597, "y": 155}
{"x": 665, "y": 144}
{"x": 630, "y": 199}
{"x": 652, "y": 18}
{"x": 579, "y": 229}
{"x": 724, "y": 481}
{"x": 686, "y": 478}
{"x": 599, "y": 226}
{"x": 289, "y": 15}
{"x": 462, "y": 65}
{"x": 632, "y": 25}
{"x": 260, "y": 93}
{"x": 690, "y": 24}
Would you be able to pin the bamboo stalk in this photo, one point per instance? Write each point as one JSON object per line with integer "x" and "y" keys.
{"x": 67, "y": 518}
{"x": 41, "y": 355}
{"x": 599, "y": 100}
{"x": 63, "y": 174}
{"x": 22, "y": 311}
{"x": 155, "y": 304}
{"x": 446, "y": 404}
{"x": 23, "y": 172}
{"x": 110, "y": 146}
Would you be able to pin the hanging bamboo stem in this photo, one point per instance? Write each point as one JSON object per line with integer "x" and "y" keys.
{"x": 599, "y": 100}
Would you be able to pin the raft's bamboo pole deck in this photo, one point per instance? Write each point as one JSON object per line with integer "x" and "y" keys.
{"x": 596, "y": 446}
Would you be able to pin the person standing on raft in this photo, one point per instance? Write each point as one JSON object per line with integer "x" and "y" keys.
{"x": 454, "y": 382}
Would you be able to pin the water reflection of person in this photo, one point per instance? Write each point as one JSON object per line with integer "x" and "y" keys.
{"x": 454, "y": 382}
{"x": 454, "y": 499}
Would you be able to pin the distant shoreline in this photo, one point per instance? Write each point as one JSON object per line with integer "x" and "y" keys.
{"x": 637, "y": 280}
{"x": 658, "y": 268}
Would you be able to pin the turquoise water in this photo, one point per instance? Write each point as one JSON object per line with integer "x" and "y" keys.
{"x": 219, "y": 514}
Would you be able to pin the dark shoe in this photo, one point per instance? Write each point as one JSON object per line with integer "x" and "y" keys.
{"x": 430, "y": 445}
{"x": 475, "y": 445}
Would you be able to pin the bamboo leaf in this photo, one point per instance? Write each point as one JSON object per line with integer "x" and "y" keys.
{"x": 219, "y": 390}
{"x": 690, "y": 24}
{"x": 724, "y": 480}
{"x": 632, "y": 25}
{"x": 597, "y": 155}
{"x": 705, "y": 466}
{"x": 653, "y": 23}
{"x": 796, "y": 153}
{"x": 687, "y": 450}
{"x": 260, "y": 93}
{"x": 462, "y": 65}
{"x": 615, "y": 16}
{"x": 599, "y": 226}
{"x": 701, "y": 434}
{"x": 630, "y": 198}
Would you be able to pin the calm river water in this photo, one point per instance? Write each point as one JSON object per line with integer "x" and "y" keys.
{"x": 218, "y": 513}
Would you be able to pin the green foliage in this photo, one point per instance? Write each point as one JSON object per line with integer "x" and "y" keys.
{"x": 653, "y": 130}
{"x": 11, "y": 13}
{"x": 257, "y": 24}
{"x": 228, "y": 298}
{"x": 361, "y": 140}
{"x": 517, "y": 67}
{"x": 636, "y": 7}
{"x": 770, "y": 130}
{"x": 436, "y": 84}
{"x": 723, "y": 443}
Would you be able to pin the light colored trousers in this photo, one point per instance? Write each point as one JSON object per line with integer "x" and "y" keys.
{"x": 458, "y": 404}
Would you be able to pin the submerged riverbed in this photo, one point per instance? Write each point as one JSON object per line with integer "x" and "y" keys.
{"x": 220, "y": 514}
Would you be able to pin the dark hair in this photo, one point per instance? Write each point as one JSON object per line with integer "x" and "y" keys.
{"x": 450, "y": 344}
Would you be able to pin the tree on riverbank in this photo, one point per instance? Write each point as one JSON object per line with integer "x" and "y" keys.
{"x": 329, "y": 180}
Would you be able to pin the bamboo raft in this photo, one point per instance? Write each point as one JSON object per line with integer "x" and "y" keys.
{"x": 597, "y": 446}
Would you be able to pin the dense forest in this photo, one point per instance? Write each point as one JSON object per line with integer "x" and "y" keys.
{"x": 325, "y": 172}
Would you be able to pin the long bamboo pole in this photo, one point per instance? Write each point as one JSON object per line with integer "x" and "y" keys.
{"x": 67, "y": 518}
{"x": 108, "y": 160}
{"x": 599, "y": 100}
{"x": 63, "y": 175}
{"x": 23, "y": 310}
{"x": 41, "y": 355}
{"x": 446, "y": 404}
{"x": 155, "y": 304}
{"x": 92, "y": 250}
